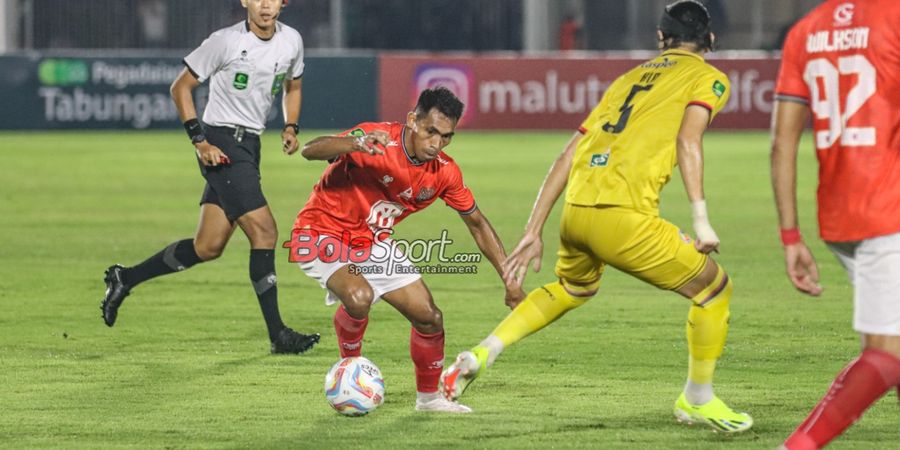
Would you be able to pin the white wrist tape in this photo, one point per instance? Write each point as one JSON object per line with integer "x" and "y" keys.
{"x": 702, "y": 228}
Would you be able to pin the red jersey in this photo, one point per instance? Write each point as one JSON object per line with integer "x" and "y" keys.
{"x": 362, "y": 193}
{"x": 843, "y": 60}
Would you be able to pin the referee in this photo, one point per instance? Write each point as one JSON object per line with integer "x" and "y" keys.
{"x": 247, "y": 65}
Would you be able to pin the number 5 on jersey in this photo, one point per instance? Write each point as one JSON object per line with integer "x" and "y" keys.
{"x": 625, "y": 110}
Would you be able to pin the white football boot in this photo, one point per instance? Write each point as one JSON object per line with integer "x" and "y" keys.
{"x": 436, "y": 402}
{"x": 456, "y": 378}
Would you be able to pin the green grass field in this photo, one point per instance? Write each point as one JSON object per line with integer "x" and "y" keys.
{"x": 187, "y": 364}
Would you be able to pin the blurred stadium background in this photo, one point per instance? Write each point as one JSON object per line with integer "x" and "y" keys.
{"x": 537, "y": 64}
{"x": 478, "y": 25}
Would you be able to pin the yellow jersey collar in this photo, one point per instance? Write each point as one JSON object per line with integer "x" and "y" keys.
{"x": 682, "y": 53}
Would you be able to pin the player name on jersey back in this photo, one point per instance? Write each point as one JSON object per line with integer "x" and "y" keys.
{"x": 838, "y": 40}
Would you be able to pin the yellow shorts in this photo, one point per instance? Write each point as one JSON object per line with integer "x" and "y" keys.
{"x": 641, "y": 245}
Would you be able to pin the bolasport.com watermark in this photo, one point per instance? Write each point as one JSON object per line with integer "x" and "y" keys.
{"x": 380, "y": 253}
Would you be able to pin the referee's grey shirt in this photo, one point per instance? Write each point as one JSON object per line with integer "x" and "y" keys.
{"x": 245, "y": 73}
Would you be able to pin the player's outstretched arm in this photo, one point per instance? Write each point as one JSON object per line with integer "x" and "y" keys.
{"x": 492, "y": 247}
{"x": 326, "y": 148}
{"x": 531, "y": 247}
{"x": 291, "y": 107}
{"x": 181, "y": 90}
{"x": 689, "y": 150}
{"x": 787, "y": 126}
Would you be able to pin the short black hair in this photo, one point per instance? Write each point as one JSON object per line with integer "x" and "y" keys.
{"x": 686, "y": 21}
{"x": 441, "y": 98}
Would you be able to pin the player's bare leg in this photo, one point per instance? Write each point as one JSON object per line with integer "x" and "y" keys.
{"x": 540, "y": 308}
{"x": 707, "y": 328}
{"x": 426, "y": 344}
{"x": 213, "y": 232}
{"x": 352, "y": 316}
{"x": 259, "y": 226}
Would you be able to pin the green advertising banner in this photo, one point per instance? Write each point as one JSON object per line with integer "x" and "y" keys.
{"x": 71, "y": 92}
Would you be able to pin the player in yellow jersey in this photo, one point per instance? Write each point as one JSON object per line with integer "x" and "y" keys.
{"x": 650, "y": 119}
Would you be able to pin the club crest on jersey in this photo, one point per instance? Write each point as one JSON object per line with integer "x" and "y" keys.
{"x": 843, "y": 15}
{"x": 600, "y": 159}
{"x": 240, "y": 81}
{"x": 718, "y": 88}
{"x": 407, "y": 194}
{"x": 425, "y": 194}
{"x": 386, "y": 180}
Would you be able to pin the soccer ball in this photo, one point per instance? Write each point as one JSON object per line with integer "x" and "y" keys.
{"x": 354, "y": 386}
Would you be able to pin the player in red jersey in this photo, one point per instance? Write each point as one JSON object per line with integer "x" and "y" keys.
{"x": 379, "y": 174}
{"x": 842, "y": 62}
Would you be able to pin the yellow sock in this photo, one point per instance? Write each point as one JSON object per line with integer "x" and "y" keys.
{"x": 707, "y": 327}
{"x": 540, "y": 308}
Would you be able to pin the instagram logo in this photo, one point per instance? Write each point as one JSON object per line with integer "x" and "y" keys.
{"x": 457, "y": 78}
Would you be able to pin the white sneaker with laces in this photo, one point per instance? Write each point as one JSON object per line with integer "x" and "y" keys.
{"x": 438, "y": 403}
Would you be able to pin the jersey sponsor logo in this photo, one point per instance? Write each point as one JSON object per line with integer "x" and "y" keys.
{"x": 277, "y": 83}
{"x": 600, "y": 159}
{"x": 665, "y": 63}
{"x": 843, "y": 14}
{"x": 425, "y": 194}
{"x": 240, "y": 81}
{"x": 718, "y": 88}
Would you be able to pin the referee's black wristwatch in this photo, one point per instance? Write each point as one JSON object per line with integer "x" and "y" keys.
{"x": 294, "y": 126}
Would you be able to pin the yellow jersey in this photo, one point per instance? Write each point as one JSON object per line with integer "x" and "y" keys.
{"x": 627, "y": 152}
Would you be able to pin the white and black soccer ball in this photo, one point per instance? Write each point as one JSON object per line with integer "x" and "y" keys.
{"x": 354, "y": 386}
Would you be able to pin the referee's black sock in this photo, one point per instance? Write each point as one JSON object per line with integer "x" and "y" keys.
{"x": 262, "y": 276}
{"x": 176, "y": 257}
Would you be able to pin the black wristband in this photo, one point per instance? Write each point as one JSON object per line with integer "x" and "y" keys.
{"x": 194, "y": 130}
{"x": 292, "y": 125}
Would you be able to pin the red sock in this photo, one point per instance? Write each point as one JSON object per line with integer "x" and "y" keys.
{"x": 349, "y": 332}
{"x": 427, "y": 352}
{"x": 859, "y": 385}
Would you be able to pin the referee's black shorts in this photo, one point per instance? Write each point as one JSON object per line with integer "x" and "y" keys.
{"x": 234, "y": 187}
